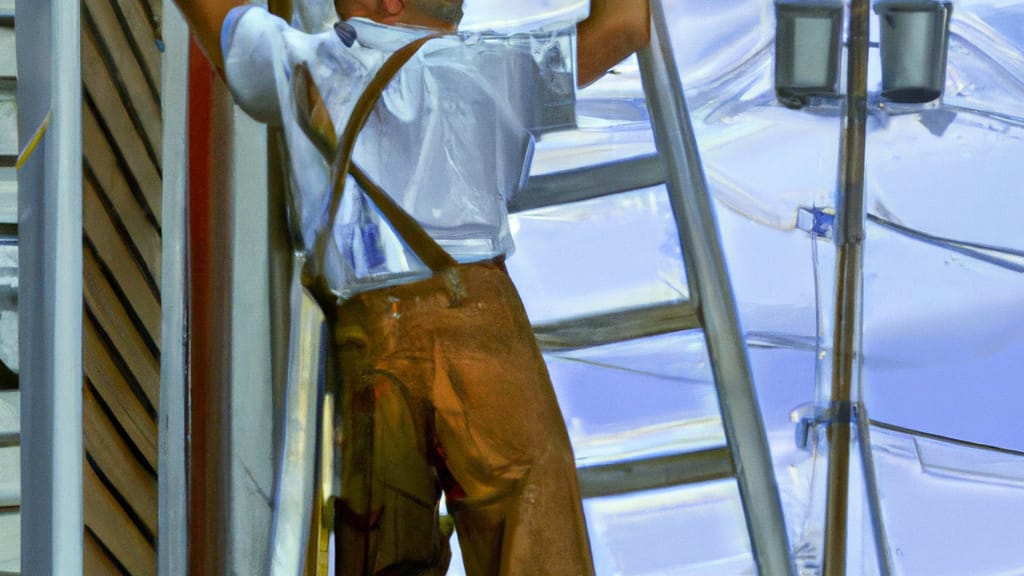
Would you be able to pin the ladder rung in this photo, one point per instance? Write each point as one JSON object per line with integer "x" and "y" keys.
{"x": 653, "y": 473}
{"x": 600, "y": 329}
{"x": 589, "y": 182}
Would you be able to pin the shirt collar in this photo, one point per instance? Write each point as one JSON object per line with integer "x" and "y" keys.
{"x": 384, "y": 37}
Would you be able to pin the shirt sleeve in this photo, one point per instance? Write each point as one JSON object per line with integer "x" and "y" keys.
{"x": 550, "y": 82}
{"x": 535, "y": 72}
{"x": 252, "y": 40}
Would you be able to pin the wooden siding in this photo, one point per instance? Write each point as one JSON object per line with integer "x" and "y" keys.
{"x": 121, "y": 203}
{"x": 10, "y": 398}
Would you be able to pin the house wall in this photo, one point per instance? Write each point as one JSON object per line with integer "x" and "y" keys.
{"x": 10, "y": 397}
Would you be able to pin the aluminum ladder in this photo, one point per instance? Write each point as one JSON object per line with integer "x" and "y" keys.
{"x": 711, "y": 306}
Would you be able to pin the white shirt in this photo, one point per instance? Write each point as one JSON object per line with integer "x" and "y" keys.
{"x": 450, "y": 140}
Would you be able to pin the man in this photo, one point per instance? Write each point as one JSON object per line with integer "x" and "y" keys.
{"x": 441, "y": 382}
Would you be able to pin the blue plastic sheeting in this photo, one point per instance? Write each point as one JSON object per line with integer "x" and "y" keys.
{"x": 696, "y": 531}
{"x": 944, "y": 336}
{"x": 661, "y": 390}
{"x": 951, "y": 510}
{"x": 604, "y": 254}
{"x": 528, "y": 14}
{"x": 943, "y": 316}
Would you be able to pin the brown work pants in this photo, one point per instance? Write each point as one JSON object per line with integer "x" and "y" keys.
{"x": 443, "y": 387}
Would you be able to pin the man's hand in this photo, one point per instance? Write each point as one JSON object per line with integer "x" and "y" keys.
{"x": 206, "y": 17}
{"x": 614, "y": 30}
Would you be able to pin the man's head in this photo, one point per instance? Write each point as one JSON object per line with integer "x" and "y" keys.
{"x": 439, "y": 14}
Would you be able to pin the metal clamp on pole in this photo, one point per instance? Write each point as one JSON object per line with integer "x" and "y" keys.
{"x": 808, "y": 418}
{"x": 842, "y": 411}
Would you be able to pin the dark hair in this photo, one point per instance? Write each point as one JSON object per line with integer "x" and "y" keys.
{"x": 448, "y": 11}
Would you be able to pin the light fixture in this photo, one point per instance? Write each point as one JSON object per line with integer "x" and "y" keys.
{"x": 807, "y": 49}
{"x": 914, "y": 43}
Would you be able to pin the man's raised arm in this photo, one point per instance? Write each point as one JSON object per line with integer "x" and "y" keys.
{"x": 614, "y": 30}
{"x": 205, "y": 18}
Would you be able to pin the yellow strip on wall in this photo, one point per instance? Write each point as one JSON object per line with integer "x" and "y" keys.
{"x": 31, "y": 146}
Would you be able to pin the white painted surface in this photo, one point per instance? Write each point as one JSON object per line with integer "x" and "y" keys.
{"x": 251, "y": 397}
{"x": 10, "y": 535}
{"x": 8, "y": 195}
{"x": 9, "y": 286}
{"x": 8, "y": 105}
{"x": 64, "y": 171}
{"x": 50, "y": 336}
{"x": 8, "y": 65}
{"x": 10, "y": 479}
{"x": 172, "y": 545}
{"x": 10, "y": 412}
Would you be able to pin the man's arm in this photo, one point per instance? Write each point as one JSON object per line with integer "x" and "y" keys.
{"x": 614, "y": 30}
{"x": 205, "y": 18}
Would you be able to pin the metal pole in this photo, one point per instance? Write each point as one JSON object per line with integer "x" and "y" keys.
{"x": 885, "y": 563}
{"x": 846, "y": 368}
{"x": 50, "y": 332}
{"x": 294, "y": 497}
{"x": 711, "y": 293}
{"x": 172, "y": 557}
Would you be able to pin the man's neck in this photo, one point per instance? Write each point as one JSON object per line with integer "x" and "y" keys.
{"x": 408, "y": 17}
{"x": 413, "y": 18}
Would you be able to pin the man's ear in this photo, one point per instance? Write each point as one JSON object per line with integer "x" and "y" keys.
{"x": 393, "y": 8}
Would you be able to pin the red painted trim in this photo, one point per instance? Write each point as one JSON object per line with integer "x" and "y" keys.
{"x": 202, "y": 475}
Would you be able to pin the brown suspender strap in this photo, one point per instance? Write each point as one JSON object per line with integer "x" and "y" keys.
{"x": 425, "y": 248}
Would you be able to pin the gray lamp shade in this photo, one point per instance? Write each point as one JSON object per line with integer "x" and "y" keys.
{"x": 914, "y": 40}
{"x": 808, "y": 39}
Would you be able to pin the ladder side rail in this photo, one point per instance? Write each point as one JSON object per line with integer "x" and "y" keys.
{"x": 711, "y": 292}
